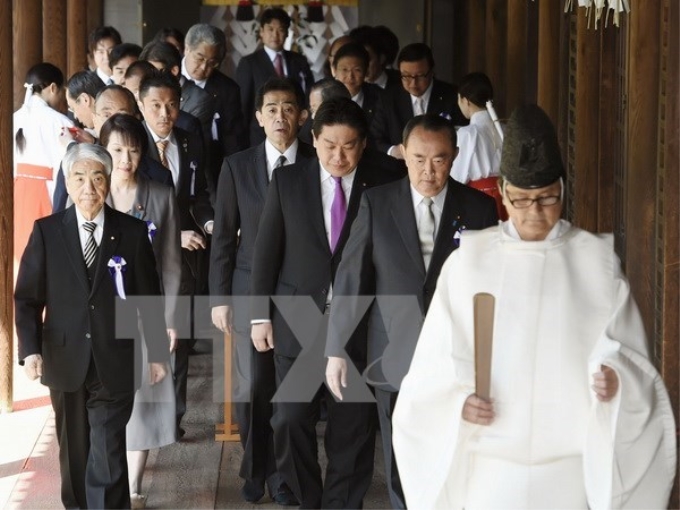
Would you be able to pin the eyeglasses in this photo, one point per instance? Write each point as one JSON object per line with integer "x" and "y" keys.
{"x": 408, "y": 78}
{"x": 199, "y": 60}
{"x": 524, "y": 203}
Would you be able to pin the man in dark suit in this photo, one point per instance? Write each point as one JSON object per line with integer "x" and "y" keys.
{"x": 206, "y": 48}
{"x": 385, "y": 256}
{"x": 66, "y": 321}
{"x": 240, "y": 200}
{"x": 181, "y": 153}
{"x": 109, "y": 101}
{"x": 271, "y": 60}
{"x": 420, "y": 93}
{"x": 303, "y": 229}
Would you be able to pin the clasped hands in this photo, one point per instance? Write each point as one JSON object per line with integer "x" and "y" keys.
{"x": 481, "y": 412}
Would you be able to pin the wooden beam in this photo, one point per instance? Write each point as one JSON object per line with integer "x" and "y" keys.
{"x": 27, "y": 38}
{"x": 494, "y": 44}
{"x": 549, "y": 13}
{"x": 76, "y": 45}
{"x": 54, "y": 33}
{"x": 6, "y": 211}
{"x": 642, "y": 122}
{"x": 515, "y": 54}
{"x": 584, "y": 214}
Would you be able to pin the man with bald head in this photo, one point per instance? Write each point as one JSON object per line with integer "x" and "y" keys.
{"x": 109, "y": 101}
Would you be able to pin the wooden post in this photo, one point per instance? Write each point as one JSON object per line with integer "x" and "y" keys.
{"x": 95, "y": 14}
{"x": 549, "y": 13}
{"x": 643, "y": 122}
{"x": 587, "y": 125}
{"x": 227, "y": 431}
{"x": 27, "y": 38}
{"x": 6, "y": 211}
{"x": 475, "y": 36}
{"x": 494, "y": 43}
{"x": 76, "y": 46}
{"x": 54, "y": 33}
{"x": 515, "y": 54}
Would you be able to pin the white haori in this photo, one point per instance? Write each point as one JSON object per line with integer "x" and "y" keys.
{"x": 563, "y": 308}
{"x": 479, "y": 150}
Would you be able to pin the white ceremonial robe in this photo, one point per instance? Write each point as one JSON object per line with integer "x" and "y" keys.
{"x": 563, "y": 308}
{"x": 479, "y": 150}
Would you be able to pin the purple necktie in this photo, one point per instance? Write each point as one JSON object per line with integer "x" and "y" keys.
{"x": 278, "y": 64}
{"x": 338, "y": 212}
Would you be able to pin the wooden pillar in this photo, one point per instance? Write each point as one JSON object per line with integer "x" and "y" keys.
{"x": 27, "y": 38}
{"x": 76, "y": 46}
{"x": 515, "y": 54}
{"x": 54, "y": 33}
{"x": 494, "y": 44}
{"x": 475, "y": 36}
{"x": 586, "y": 134}
{"x": 6, "y": 210}
{"x": 549, "y": 13}
{"x": 95, "y": 14}
{"x": 642, "y": 119}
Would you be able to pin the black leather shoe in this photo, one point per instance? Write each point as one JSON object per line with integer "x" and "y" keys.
{"x": 252, "y": 491}
{"x": 285, "y": 498}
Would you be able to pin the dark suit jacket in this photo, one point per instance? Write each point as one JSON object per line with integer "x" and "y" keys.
{"x": 80, "y": 320}
{"x": 383, "y": 258}
{"x": 240, "y": 199}
{"x": 253, "y": 71}
{"x": 198, "y": 103}
{"x": 292, "y": 255}
{"x": 372, "y": 95}
{"x": 147, "y": 167}
{"x": 395, "y": 109}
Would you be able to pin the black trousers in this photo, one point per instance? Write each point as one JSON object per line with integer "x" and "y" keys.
{"x": 255, "y": 385}
{"x": 349, "y": 443}
{"x": 386, "y": 401}
{"x": 90, "y": 426}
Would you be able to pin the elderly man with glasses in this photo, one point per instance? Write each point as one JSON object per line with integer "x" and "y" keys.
{"x": 576, "y": 416}
{"x": 420, "y": 93}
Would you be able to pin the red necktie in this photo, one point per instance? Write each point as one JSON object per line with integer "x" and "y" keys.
{"x": 278, "y": 64}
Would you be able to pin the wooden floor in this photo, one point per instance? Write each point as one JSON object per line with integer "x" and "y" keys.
{"x": 197, "y": 472}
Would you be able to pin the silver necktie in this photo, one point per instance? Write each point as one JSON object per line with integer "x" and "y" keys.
{"x": 90, "y": 251}
{"x": 426, "y": 231}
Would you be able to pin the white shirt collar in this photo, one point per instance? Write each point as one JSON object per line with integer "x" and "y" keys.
{"x": 359, "y": 98}
{"x": 170, "y": 138}
{"x": 103, "y": 76}
{"x": 273, "y": 153}
{"x": 271, "y": 53}
{"x": 99, "y": 219}
{"x": 438, "y": 199}
{"x": 186, "y": 74}
{"x": 381, "y": 81}
{"x": 425, "y": 97}
{"x": 347, "y": 179}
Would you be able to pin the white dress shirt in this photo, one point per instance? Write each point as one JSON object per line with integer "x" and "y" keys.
{"x": 359, "y": 98}
{"x": 328, "y": 192}
{"x": 104, "y": 77}
{"x": 83, "y": 234}
{"x": 171, "y": 154}
{"x": 186, "y": 74}
{"x": 437, "y": 206}
{"x": 425, "y": 98}
{"x": 273, "y": 155}
{"x": 479, "y": 150}
{"x": 272, "y": 55}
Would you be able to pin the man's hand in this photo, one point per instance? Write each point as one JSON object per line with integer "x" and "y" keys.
{"x": 172, "y": 338}
{"x": 192, "y": 240}
{"x": 33, "y": 366}
{"x": 336, "y": 375}
{"x": 157, "y": 372}
{"x": 477, "y": 410}
{"x": 605, "y": 383}
{"x": 262, "y": 336}
{"x": 221, "y": 318}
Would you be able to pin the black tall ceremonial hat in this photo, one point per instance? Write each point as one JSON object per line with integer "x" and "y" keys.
{"x": 531, "y": 155}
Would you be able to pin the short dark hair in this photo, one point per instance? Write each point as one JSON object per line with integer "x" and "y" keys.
{"x": 388, "y": 41}
{"x": 415, "y": 52}
{"x": 476, "y": 88}
{"x": 141, "y": 69}
{"x": 42, "y": 75}
{"x": 84, "y": 82}
{"x": 430, "y": 122}
{"x": 278, "y": 84}
{"x": 159, "y": 81}
{"x": 100, "y": 33}
{"x": 268, "y": 15}
{"x": 129, "y": 127}
{"x": 330, "y": 88}
{"x": 164, "y": 33}
{"x": 163, "y": 52}
{"x": 352, "y": 49}
{"x": 121, "y": 51}
{"x": 342, "y": 111}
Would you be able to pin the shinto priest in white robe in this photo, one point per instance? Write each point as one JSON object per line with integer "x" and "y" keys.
{"x": 563, "y": 308}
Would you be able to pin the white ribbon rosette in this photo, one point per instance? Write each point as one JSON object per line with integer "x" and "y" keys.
{"x": 116, "y": 268}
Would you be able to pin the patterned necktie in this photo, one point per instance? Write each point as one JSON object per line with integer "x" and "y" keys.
{"x": 278, "y": 64}
{"x": 91, "y": 248}
{"x": 426, "y": 231}
{"x": 338, "y": 212}
{"x": 161, "y": 145}
{"x": 282, "y": 161}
